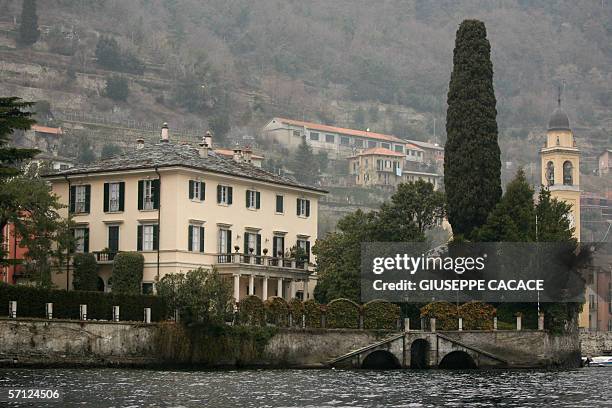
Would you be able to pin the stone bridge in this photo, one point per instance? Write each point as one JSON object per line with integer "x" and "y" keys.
{"x": 462, "y": 349}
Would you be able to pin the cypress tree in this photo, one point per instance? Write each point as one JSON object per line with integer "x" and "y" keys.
{"x": 472, "y": 164}
{"x": 28, "y": 29}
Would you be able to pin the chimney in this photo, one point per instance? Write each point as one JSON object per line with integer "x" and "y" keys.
{"x": 164, "y": 133}
{"x": 208, "y": 138}
{"x": 247, "y": 154}
{"x": 204, "y": 148}
{"x": 139, "y": 143}
{"x": 237, "y": 154}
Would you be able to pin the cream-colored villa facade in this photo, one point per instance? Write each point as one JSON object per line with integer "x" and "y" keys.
{"x": 185, "y": 207}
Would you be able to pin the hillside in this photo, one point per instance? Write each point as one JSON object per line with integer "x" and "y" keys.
{"x": 231, "y": 64}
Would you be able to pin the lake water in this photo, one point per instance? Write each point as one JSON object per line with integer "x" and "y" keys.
{"x": 586, "y": 387}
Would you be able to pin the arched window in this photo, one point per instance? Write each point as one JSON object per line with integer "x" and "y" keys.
{"x": 550, "y": 173}
{"x": 568, "y": 169}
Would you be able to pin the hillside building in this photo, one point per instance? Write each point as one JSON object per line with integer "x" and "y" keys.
{"x": 341, "y": 143}
{"x": 185, "y": 207}
{"x": 604, "y": 161}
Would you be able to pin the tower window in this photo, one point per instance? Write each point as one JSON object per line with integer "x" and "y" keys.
{"x": 567, "y": 173}
{"x": 550, "y": 173}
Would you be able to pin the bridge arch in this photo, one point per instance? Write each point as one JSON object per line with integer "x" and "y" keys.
{"x": 457, "y": 359}
{"x": 419, "y": 353}
{"x": 380, "y": 360}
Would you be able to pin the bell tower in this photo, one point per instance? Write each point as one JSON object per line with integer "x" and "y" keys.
{"x": 560, "y": 160}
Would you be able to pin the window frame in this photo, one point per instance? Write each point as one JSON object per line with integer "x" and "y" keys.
{"x": 282, "y": 201}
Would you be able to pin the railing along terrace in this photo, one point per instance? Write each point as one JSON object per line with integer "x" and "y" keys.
{"x": 105, "y": 256}
{"x": 263, "y": 260}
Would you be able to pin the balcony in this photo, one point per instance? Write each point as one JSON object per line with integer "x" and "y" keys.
{"x": 262, "y": 261}
{"x": 105, "y": 257}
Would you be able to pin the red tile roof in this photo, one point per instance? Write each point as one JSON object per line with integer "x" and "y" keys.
{"x": 344, "y": 131}
{"x": 381, "y": 151}
{"x": 228, "y": 152}
{"x": 46, "y": 129}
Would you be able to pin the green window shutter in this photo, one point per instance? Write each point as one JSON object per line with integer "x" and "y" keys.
{"x": 86, "y": 241}
{"x": 202, "y": 190}
{"x": 122, "y": 196}
{"x": 258, "y": 200}
{"x": 308, "y": 251}
{"x": 106, "y": 196}
{"x": 219, "y": 187}
{"x": 279, "y": 204}
{"x": 229, "y": 242}
{"x": 140, "y": 194}
{"x": 258, "y": 249}
{"x": 139, "y": 238}
{"x": 308, "y": 208}
{"x": 201, "y": 239}
{"x": 72, "y": 198}
{"x": 191, "y": 189}
{"x": 230, "y": 193}
{"x": 297, "y": 206}
{"x": 246, "y": 243}
{"x": 156, "y": 193}
{"x": 190, "y": 238}
{"x": 274, "y": 247}
{"x": 87, "y": 198}
{"x": 155, "y": 237}
{"x": 113, "y": 238}
{"x": 248, "y": 198}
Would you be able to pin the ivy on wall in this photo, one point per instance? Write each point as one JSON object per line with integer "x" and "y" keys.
{"x": 251, "y": 311}
{"x": 277, "y": 311}
{"x": 380, "y": 314}
{"x": 342, "y": 314}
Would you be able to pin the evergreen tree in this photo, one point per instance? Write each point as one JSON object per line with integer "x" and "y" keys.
{"x": 472, "y": 164}
{"x": 117, "y": 88}
{"x": 13, "y": 115}
{"x": 304, "y": 164}
{"x": 28, "y": 28}
{"x": 513, "y": 219}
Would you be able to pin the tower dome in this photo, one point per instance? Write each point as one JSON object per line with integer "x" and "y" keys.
{"x": 558, "y": 120}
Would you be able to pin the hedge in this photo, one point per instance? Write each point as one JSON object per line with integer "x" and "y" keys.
{"x": 312, "y": 313}
{"x": 127, "y": 272}
{"x": 277, "y": 311}
{"x": 342, "y": 314}
{"x": 445, "y": 314}
{"x": 296, "y": 308}
{"x": 380, "y": 314}
{"x": 251, "y": 311}
{"x": 477, "y": 315}
{"x": 31, "y": 303}
{"x": 85, "y": 272}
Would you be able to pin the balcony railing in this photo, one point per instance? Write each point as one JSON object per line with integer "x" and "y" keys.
{"x": 263, "y": 260}
{"x": 105, "y": 256}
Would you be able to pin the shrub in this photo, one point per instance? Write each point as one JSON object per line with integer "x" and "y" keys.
{"x": 342, "y": 313}
{"x": 117, "y": 88}
{"x": 31, "y": 303}
{"x": 85, "y": 272}
{"x": 312, "y": 311}
{"x": 127, "y": 272}
{"x": 506, "y": 313}
{"x": 277, "y": 311}
{"x": 477, "y": 315}
{"x": 296, "y": 307}
{"x": 380, "y": 314}
{"x": 251, "y": 311}
{"x": 444, "y": 313}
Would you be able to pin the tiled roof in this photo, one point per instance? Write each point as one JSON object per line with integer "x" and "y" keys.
{"x": 46, "y": 129}
{"x": 380, "y": 151}
{"x": 168, "y": 154}
{"x": 413, "y": 147}
{"x": 344, "y": 131}
{"x": 229, "y": 152}
{"x": 426, "y": 145}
